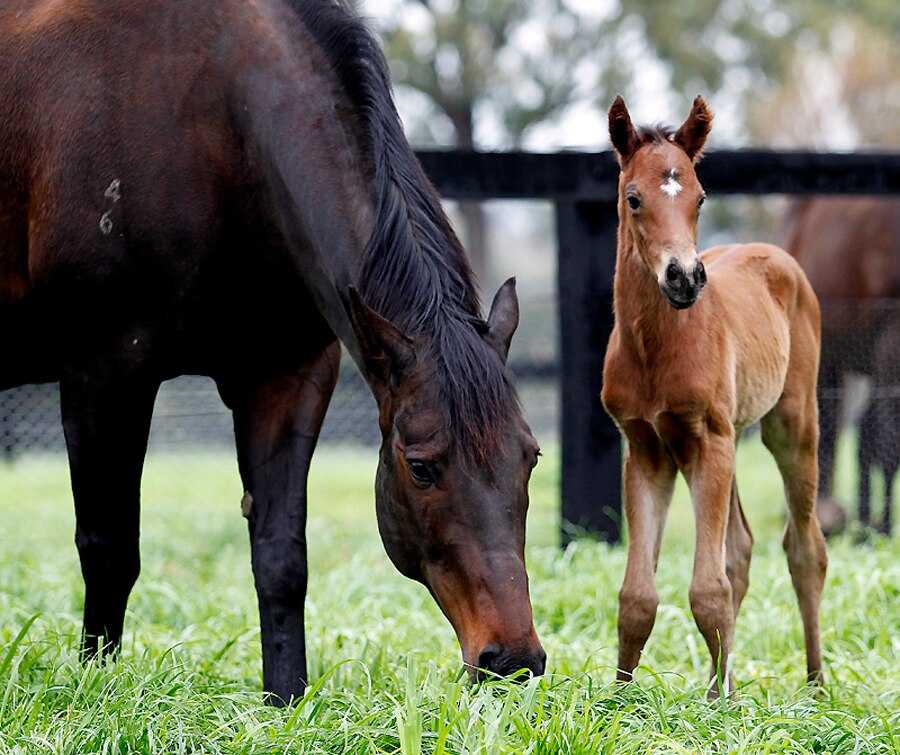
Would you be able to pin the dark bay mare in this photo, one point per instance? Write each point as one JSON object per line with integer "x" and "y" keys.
{"x": 224, "y": 188}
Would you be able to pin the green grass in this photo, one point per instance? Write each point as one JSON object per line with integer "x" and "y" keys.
{"x": 384, "y": 664}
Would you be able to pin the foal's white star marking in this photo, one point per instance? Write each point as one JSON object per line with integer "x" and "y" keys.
{"x": 671, "y": 187}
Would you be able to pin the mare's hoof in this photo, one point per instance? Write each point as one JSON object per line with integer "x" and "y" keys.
{"x": 832, "y": 518}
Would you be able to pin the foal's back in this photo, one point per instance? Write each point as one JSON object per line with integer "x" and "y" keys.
{"x": 766, "y": 310}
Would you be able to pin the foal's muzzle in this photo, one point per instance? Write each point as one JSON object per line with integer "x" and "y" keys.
{"x": 681, "y": 288}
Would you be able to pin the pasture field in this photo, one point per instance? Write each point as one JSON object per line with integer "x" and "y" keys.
{"x": 385, "y": 669}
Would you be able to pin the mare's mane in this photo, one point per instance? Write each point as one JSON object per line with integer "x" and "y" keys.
{"x": 413, "y": 270}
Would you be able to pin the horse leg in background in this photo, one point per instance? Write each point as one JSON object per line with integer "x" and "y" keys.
{"x": 886, "y": 396}
{"x": 277, "y": 423}
{"x": 790, "y": 432}
{"x": 831, "y": 516}
{"x": 106, "y": 419}
{"x": 738, "y": 549}
{"x": 709, "y": 470}
{"x": 866, "y": 457}
{"x": 649, "y": 479}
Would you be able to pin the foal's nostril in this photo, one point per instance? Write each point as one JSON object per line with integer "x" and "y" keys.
{"x": 673, "y": 273}
{"x": 699, "y": 274}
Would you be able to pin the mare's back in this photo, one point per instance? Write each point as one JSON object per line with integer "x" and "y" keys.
{"x": 849, "y": 247}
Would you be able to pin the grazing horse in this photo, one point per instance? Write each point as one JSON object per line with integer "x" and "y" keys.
{"x": 685, "y": 373}
{"x": 223, "y": 187}
{"x": 849, "y": 248}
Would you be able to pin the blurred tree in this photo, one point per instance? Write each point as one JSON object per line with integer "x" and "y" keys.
{"x": 480, "y": 73}
{"x": 489, "y": 73}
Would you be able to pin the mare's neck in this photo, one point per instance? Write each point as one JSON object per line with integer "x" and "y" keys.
{"x": 306, "y": 152}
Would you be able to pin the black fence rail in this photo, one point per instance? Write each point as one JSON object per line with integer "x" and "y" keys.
{"x": 583, "y": 189}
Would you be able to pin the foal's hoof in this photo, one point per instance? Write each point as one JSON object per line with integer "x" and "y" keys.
{"x": 832, "y": 518}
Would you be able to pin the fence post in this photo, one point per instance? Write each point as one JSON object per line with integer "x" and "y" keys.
{"x": 591, "y": 448}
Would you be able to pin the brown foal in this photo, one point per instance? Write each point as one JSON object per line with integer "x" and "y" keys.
{"x": 685, "y": 373}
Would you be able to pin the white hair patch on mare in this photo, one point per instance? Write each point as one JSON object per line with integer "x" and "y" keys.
{"x": 670, "y": 185}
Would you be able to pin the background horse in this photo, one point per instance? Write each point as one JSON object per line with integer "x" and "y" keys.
{"x": 684, "y": 374}
{"x": 223, "y": 188}
{"x": 849, "y": 248}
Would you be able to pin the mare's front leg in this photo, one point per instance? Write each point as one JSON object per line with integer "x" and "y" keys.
{"x": 708, "y": 465}
{"x": 648, "y": 479}
{"x": 277, "y": 423}
{"x": 106, "y": 419}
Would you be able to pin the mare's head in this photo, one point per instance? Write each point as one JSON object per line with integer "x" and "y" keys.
{"x": 660, "y": 197}
{"x": 452, "y": 482}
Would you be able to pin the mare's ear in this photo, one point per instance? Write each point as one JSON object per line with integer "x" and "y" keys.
{"x": 504, "y": 318}
{"x": 386, "y": 349}
{"x": 693, "y": 132}
{"x": 621, "y": 131}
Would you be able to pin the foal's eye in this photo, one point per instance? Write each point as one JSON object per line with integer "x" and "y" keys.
{"x": 634, "y": 202}
{"x": 421, "y": 471}
{"x": 700, "y": 201}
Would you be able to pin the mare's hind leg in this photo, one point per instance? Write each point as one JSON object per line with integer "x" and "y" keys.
{"x": 277, "y": 423}
{"x": 106, "y": 420}
{"x": 790, "y": 432}
{"x": 649, "y": 478}
{"x": 738, "y": 549}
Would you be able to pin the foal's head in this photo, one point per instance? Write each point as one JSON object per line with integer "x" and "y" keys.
{"x": 452, "y": 516}
{"x": 660, "y": 197}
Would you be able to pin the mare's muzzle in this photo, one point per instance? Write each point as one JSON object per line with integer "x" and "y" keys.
{"x": 497, "y": 661}
{"x": 681, "y": 288}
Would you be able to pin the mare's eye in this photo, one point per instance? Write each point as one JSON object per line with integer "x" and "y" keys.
{"x": 537, "y": 457}
{"x": 634, "y": 202}
{"x": 421, "y": 471}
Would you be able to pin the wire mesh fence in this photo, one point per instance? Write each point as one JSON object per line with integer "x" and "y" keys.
{"x": 859, "y": 387}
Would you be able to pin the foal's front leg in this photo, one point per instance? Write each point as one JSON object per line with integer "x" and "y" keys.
{"x": 649, "y": 477}
{"x": 710, "y": 471}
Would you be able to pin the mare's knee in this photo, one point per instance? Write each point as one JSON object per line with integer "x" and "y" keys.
{"x": 279, "y": 570}
{"x": 113, "y": 562}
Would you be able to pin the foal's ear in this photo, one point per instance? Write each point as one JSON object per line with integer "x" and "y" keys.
{"x": 504, "y": 318}
{"x": 387, "y": 350}
{"x": 621, "y": 131}
{"x": 693, "y": 132}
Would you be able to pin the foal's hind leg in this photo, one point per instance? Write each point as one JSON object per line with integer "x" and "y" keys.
{"x": 277, "y": 422}
{"x": 107, "y": 422}
{"x": 790, "y": 432}
{"x": 738, "y": 549}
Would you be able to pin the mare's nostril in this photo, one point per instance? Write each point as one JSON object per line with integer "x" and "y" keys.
{"x": 496, "y": 661}
{"x": 487, "y": 658}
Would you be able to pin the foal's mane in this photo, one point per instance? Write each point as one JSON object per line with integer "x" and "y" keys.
{"x": 655, "y": 134}
{"x": 414, "y": 271}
